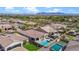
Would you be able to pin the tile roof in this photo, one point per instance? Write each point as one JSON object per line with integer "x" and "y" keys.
{"x": 4, "y": 41}
{"x": 72, "y": 46}
{"x": 10, "y": 38}
{"x": 48, "y": 28}
{"x": 32, "y": 33}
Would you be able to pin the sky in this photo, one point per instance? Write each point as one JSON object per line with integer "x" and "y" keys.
{"x": 27, "y": 10}
{"x": 36, "y": 6}
{"x": 39, "y": 3}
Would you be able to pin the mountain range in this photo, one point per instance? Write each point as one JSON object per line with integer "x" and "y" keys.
{"x": 43, "y": 13}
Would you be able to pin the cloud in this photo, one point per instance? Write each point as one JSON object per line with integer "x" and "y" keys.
{"x": 32, "y": 9}
{"x": 56, "y": 10}
{"x": 11, "y": 10}
{"x": 28, "y": 10}
{"x": 47, "y": 7}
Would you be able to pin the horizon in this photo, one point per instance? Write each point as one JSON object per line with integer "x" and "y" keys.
{"x": 35, "y": 10}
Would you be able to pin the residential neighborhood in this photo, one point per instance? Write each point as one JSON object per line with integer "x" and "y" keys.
{"x": 39, "y": 34}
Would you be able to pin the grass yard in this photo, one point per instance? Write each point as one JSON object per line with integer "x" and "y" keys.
{"x": 31, "y": 47}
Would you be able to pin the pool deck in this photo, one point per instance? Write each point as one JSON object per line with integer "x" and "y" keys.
{"x": 44, "y": 49}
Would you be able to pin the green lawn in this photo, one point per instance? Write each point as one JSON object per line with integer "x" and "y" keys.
{"x": 31, "y": 47}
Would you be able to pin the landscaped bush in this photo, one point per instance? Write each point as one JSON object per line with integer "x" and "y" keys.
{"x": 66, "y": 41}
{"x": 0, "y": 30}
{"x": 70, "y": 38}
{"x": 24, "y": 42}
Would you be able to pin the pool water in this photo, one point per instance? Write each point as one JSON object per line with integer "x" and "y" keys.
{"x": 56, "y": 47}
{"x": 43, "y": 43}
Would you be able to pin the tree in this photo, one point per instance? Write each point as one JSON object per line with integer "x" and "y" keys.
{"x": 24, "y": 42}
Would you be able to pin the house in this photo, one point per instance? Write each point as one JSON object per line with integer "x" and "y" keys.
{"x": 48, "y": 29}
{"x": 10, "y": 41}
{"x": 61, "y": 28}
{"x": 53, "y": 27}
{"x": 77, "y": 38}
{"x": 33, "y": 34}
{"x": 20, "y": 21}
{"x": 4, "y": 42}
{"x": 58, "y": 26}
{"x": 30, "y": 23}
{"x": 72, "y": 32}
{"x": 7, "y": 27}
{"x": 53, "y": 33}
{"x": 72, "y": 46}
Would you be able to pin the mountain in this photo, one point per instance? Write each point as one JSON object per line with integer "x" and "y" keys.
{"x": 58, "y": 13}
{"x": 50, "y": 13}
{"x": 44, "y": 13}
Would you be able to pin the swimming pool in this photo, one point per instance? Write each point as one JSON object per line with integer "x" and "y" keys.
{"x": 56, "y": 47}
{"x": 43, "y": 43}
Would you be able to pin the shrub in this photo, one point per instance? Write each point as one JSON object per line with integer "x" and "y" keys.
{"x": 65, "y": 41}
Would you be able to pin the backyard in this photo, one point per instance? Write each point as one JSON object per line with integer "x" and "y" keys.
{"x": 31, "y": 47}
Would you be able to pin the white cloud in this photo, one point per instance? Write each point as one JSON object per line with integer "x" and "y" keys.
{"x": 32, "y": 9}
{"x": 56, "y": 10}
{"x": 47, "y": 7}
{"x": 11, "y": 10}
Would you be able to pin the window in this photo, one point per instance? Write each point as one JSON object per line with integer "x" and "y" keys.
{"x": 37, "y": 38}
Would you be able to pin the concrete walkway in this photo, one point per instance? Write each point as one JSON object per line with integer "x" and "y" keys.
{"x": 18, "y": 49}
{"x": 43, "y": 49}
